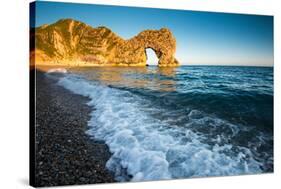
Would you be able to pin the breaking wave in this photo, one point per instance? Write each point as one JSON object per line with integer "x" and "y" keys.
{"x": 152, "y": 143}
{"x": 57, "y": 70}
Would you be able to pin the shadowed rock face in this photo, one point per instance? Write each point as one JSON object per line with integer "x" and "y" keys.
{"x": 69, "y": 42}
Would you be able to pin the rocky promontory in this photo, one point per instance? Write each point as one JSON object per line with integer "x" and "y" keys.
{"x": 73, "y": 43}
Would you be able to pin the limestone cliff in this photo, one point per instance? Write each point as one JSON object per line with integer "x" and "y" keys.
{"x": 70, "y": 42}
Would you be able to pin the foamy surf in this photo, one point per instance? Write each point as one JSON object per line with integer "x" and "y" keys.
{"x": 57, "y": 70}
{"x": 147, "y": 148}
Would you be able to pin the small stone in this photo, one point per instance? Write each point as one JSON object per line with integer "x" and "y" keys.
{"x": 82, "y": 179}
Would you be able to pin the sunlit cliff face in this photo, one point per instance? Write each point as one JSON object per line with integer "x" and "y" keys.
{"x": 72, "y": 43}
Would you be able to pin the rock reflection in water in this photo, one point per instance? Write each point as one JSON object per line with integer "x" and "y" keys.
{"x": 151, "y": 78}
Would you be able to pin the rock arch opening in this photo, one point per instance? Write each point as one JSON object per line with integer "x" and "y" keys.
{"x": 151, "y": 57}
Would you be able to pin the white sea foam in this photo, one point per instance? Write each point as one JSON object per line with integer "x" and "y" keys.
{"x": 57, "y": 70}
{"x": 149, "y": 148}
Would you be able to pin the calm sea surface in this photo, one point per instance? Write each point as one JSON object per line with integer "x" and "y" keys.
{"x": 190, "y": 121}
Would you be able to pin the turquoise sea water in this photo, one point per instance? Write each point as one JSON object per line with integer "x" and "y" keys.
{"x": 190, "y": 121}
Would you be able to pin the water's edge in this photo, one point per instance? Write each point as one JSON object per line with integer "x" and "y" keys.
{"x": 171, "y": 159}
{"x": 62, "y": 146}
{"x": 153, "y": 139}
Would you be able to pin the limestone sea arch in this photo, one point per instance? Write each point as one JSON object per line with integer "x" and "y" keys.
{"x": 73, "y": 43}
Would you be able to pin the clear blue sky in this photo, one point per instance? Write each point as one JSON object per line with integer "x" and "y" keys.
{"x": 202, "y": 37}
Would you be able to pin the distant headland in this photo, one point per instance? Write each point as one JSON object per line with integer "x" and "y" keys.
{"x": 72, "y": 43}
